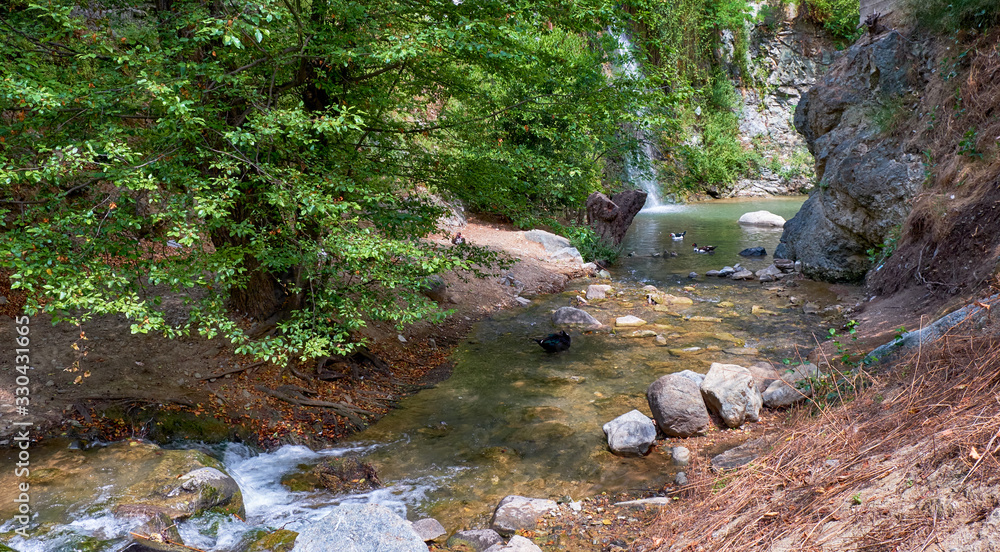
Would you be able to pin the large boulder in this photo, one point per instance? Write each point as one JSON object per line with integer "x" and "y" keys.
{"x": 791, "y": 387}
{"x": 764, "y": 219}
{"x": 571, "y": 316}
{"x": 360, "y": 528}
{"x": 678, "y": 406}
{"x": 630, "y": 434}
{"x": 611, "y": 217}
{"x": 866, "y": 179}
{"x": 519, "y": 512}
{"x": 558, "y": 247}
{"x": 730, "y": 391}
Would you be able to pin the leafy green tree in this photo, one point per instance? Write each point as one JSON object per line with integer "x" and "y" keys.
{"x": 271, "y": 159}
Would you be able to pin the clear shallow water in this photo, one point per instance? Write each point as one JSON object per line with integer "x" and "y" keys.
{"x": 515, "y": 420}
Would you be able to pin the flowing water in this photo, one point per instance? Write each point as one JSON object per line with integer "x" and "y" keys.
{"x": 639, "y": 170}
{"x": 515, "y": 420}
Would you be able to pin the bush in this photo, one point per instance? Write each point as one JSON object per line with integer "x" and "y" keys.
{"x": 591, "y": 246}
{"x": 839, "y": 17}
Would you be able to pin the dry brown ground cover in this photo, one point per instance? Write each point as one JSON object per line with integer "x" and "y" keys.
{"x": 909, "y": 464}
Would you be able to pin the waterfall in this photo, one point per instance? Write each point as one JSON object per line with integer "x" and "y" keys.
{"x": 639, "y": 169}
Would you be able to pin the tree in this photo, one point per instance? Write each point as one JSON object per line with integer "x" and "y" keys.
{"x": 272, "y": 159}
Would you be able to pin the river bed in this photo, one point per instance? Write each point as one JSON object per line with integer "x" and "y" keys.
{"x": 513, "y": 419}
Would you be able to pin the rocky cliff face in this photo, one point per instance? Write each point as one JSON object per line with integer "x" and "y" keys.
{"x": 784, "y": 58}
{"x": 866, "y": 176}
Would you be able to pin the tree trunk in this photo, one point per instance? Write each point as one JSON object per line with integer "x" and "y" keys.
{"x": 611, "y": 218}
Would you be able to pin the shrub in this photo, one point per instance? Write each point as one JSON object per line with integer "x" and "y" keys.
{"x": 839, "y": 17}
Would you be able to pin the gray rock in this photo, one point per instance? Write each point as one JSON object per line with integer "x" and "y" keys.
{"x": 763, "y": 374}
{"x": 791, "y": 388}
{"x": 726, "y": 271}
{"x": 570, "y": 254}
{"x": 524, "y": 302}
{"x": 729, "y": 390}
{"x": 781, "y": 394}
{"x": 570, "y": 316}
{"x": 741, "y": 455}
{"x": 551, "y": 242}
{"x": 769, "y": 274}
{"x": 429, "y": 529}
{"x": 762, "y": 218}
{"x": 598, "y": 291}
{"x": 712, "y": 273}
{"x": 517, "y": 543}
{"x": 630, "y": 434}
{"x": 692, "y": 275}
{"x": 518, "y": 512}
{"x": 866, "y": 179}
{"x": 680, "y": 479}
{"x": 3, "y": 300}
{"x": 678, "y": 406}
{"x": 645, "y": 503}
{"x": 212, "y": 487}
{"x": 743, "y": 274}
{"x": 360, "y": 528}
{"x": 629, "y": 321}
{"x": 476, "y": 540}
{"x": 693, "y": 376}
{"x": 784, "y": 265}
{"x": 680, "y": 456}
{"x": 753, "y": 252}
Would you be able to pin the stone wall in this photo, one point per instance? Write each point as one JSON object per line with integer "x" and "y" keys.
{"x": 784, "y": 61}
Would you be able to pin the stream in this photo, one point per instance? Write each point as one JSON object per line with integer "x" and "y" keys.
{"x": 513, "y": 419}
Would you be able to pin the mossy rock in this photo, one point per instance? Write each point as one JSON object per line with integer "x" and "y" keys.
{"x": 281, "y": 540}
{"x": 347, "y": 475}
{"x": 301, "y": 480}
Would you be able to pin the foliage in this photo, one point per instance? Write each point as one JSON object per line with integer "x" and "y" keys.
{"x": 720, "y": 158}
{"x": 772, "y": 14}
{"x": 884, "y": 250}
{"x": 889, "y": 112}
{"x": 967, "y": 145}
{"x": 947, "y": 16}
{"x": 839, "y": 17}
{"x": 591, "y": 246}
{"x": 272, "y": 159}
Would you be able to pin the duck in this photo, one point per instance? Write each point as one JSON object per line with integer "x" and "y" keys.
{"x": 555, "y": 343}
{"x": 678, "y": 235}
{"x": 458, "y": 239}
{"x": 703, "y": 249}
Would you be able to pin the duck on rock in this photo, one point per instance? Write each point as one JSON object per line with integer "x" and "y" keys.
{"x": 703, "y": 249}
{"x": 554, "y": 343}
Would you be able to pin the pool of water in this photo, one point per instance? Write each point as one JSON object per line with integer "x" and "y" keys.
{"x": 705, "y": 223}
